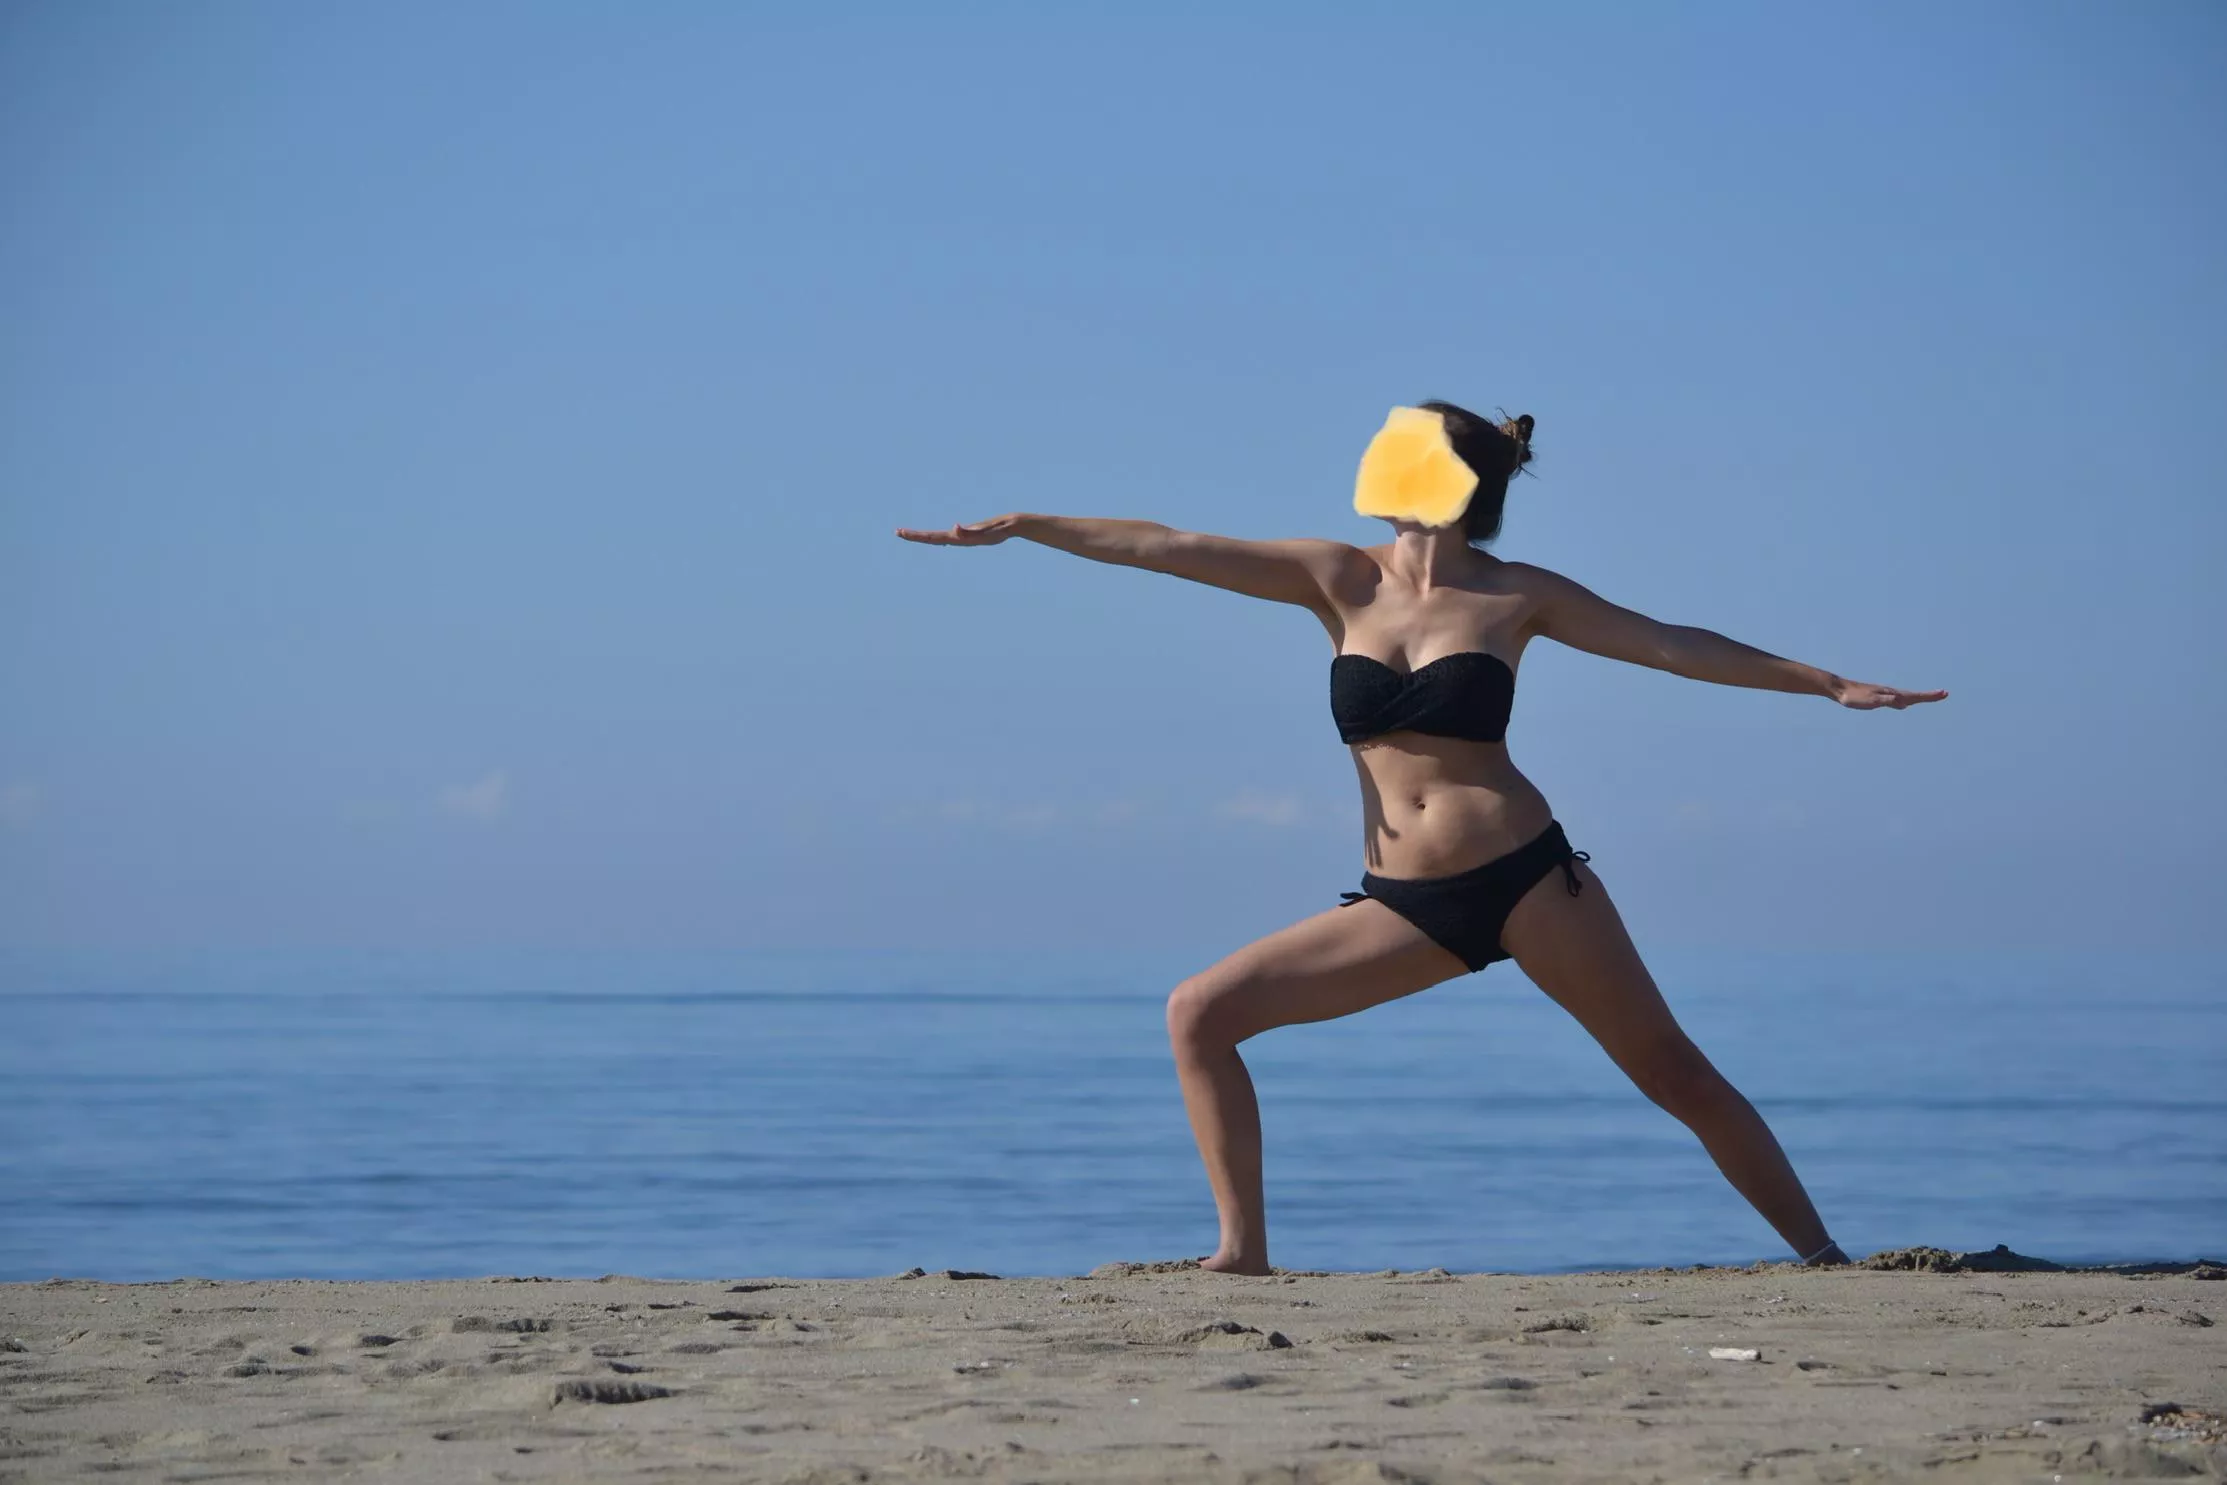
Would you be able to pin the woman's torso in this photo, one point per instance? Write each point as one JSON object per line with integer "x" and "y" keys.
{"x": 1431, "y": 804}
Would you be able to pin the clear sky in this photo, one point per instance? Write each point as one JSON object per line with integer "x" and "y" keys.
{"x": 448, "y": 456}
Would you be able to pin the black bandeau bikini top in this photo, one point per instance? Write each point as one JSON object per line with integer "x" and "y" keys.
{"x": 1466, "y": 694}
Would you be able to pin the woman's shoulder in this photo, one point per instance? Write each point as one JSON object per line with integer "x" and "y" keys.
{"x": 1357, "y": 569}
{"x": 1528, "y": 577}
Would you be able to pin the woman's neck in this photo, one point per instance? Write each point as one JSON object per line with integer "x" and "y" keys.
{"x": 1428, "y": 557}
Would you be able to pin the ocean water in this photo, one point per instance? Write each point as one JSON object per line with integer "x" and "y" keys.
{"x": 389, "y": 1115}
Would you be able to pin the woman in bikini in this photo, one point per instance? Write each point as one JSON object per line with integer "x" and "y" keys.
{"x": 1466, "y": 864}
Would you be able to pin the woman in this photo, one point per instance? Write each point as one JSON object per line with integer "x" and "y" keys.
{"x": 1466, "y": 864}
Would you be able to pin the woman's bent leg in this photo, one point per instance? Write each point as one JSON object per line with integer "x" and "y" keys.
{"x": 1339, "y": 961}
{"x": 1576, "y": 949}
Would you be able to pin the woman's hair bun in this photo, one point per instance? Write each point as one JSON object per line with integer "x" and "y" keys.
{"x": 1519, "y": 428}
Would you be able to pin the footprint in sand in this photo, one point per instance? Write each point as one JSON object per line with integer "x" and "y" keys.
{"x": 607, "y": 1392}
{"x": 465, "y": 1323}
{"x": 1416, "y": 1400}
{"x": 1239, "y": 1382}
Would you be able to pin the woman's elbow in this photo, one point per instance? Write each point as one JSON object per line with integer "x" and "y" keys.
{"x": 1679, "y": 650}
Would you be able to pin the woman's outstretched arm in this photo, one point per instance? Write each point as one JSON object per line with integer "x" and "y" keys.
{"x": 1301, "y": 570}
{"x": 1580, "y": 618}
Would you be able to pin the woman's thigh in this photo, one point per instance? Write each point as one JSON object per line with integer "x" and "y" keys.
{"x": 1577, "y": 950}
{"x": 1341, "y": 960}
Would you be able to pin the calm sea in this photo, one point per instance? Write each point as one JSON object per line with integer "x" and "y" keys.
{"x": 383, "y": 1115}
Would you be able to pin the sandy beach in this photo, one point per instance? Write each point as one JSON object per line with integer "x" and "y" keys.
{"x": 1133, "y": 1372}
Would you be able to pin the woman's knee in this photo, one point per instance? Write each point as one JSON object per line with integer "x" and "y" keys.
{"x": 1199, "y": 1013}
{"x": 1673, "y": 1073}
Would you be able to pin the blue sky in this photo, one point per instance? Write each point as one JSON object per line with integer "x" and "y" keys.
{"x": 450, "y": 454}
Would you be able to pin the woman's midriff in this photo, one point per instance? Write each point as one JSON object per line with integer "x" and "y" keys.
{"x": 1433, "y": 806}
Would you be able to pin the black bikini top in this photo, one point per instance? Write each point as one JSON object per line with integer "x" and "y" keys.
{"x": 1466, "y": 694}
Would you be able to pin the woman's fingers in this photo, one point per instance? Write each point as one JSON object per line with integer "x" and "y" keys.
{"x": 960, "y": 534}
{"x": 1869, "y": 697}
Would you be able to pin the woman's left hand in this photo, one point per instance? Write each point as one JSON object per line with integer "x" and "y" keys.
{"x": 1863, "y": 696}
{"x": 966, "y": 534}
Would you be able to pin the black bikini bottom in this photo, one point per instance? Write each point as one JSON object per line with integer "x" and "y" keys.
{"x": 1465, "y": 912}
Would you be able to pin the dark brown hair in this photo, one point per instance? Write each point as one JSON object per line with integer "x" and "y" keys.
{"x": 1495, "y": 451}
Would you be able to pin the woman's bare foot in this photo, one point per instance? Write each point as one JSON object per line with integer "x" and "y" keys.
{"x": 1219, "y": 1264}
{"x": 1829, "y": 1257}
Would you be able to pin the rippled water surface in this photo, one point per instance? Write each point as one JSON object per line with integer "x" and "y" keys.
{"x": 391, "y": 1115}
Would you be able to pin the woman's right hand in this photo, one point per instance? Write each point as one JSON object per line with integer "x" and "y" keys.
{"x": 1863, "y": 696}
{"x": 979, "y": 534}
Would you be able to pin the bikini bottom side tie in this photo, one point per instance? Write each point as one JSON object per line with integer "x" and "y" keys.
{"x": 1466, "y": 912}
{"x": 1569, "y": 870}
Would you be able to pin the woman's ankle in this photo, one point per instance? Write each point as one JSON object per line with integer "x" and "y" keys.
{"x": 1221, "y": 1265}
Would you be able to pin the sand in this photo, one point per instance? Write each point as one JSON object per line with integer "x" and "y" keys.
{"x": 1126, "y": 1374}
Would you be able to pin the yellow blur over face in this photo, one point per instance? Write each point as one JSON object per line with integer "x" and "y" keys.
{"x": 1410, "y": 471}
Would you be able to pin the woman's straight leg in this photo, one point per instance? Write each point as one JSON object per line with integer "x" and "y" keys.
{"x": 1577, "y": 950}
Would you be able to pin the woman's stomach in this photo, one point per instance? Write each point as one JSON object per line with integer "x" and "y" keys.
{"x": 1433, "y": 806}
